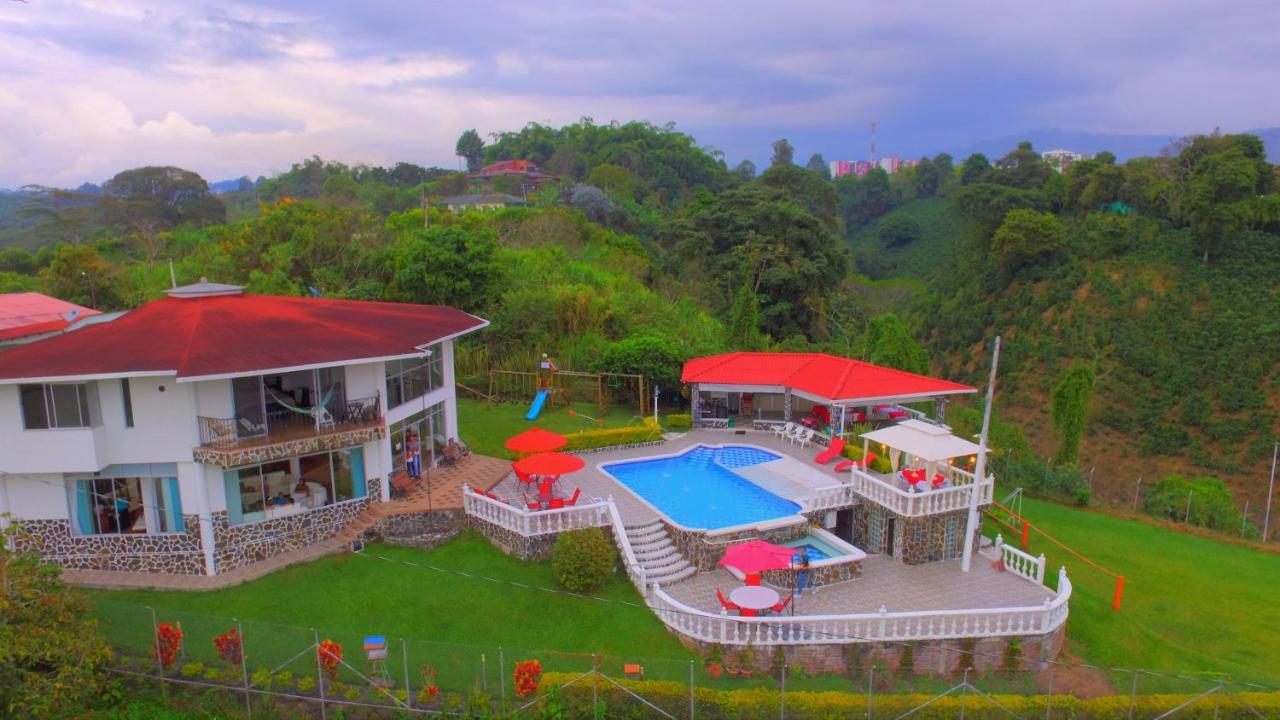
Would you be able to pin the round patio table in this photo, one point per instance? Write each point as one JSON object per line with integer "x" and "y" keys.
{"x": 754, "y": 597}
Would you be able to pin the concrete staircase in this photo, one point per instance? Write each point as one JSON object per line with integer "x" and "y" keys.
{"x": 661, "y": 561}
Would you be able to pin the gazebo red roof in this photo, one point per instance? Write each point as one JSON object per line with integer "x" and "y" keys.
{"x": 833, "y": 378}
{"x": 32, "y": 313}
{"x": 234, "y": 334}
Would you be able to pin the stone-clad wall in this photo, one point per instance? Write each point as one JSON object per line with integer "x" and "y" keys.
{"x": 929, "y": 657}
{"x": 537, "y": 547}
{"x": 173, "y": 553}
{"x": 704, "y": 555}
{"x": 240, "y": 545}
{"x": 916, "y": 540}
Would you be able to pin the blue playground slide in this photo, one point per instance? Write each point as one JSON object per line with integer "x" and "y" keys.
{"x": 538, "y": 401}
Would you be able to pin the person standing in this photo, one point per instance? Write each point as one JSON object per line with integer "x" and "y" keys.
{"x": 800, "y": 565}
{"x": 413, "y": 456}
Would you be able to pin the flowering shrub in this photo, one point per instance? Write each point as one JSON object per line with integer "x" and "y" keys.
{"x": 429, "y": 687}
{"x": 330, "y": 654}
{"x": 168, "y": 644}
{"x": 230, "y": 647}
{"x": 527, "y": 675}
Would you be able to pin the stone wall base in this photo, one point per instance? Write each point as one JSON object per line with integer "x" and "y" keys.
{"x": 424, "y": 530}
{"x": 927, "y": 657}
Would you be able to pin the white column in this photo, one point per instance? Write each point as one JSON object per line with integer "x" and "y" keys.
{"x": 204, "y": 512}
{"x": 451, "y": 397}
{"x": 980, "y": 468}
{"x": 4, "y": 502}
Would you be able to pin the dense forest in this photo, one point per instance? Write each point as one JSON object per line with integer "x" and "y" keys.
{"x": 1138, "y": 302}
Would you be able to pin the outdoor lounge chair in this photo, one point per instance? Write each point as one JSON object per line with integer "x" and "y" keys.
{"x": 826, "y": 456}
{"x": 253, "y": 429}
{"x": 862, "y": 464}
{"x": 725, "y": 602}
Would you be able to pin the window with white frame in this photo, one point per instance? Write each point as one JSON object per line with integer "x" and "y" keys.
{"x": 414, "y": 377}
{"x": 59, "y": 405}
{"x": 126, "y": 505}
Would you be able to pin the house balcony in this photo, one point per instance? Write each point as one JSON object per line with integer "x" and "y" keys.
{"x": 897, "y": 497}
{"x": 237, "y": 441}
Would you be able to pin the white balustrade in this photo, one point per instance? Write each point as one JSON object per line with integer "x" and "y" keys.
{"x": 1020, "y": 563}
{"x": 915, "y": 504}
{"x": 529, "y": 523}
{"x": 881, "y": 626}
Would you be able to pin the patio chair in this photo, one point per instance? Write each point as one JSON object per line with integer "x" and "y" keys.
{"x": 253, "y": 429}
{"x": 805, "y": 436}
{"x": 573, "y": 499}
{"x": 796, "y": 429}
{"x": 834, "y": 450}
{"x": 724, "y": 602}
{"x": 534, "y": 506}
{"x": 784, "y": 430}
{"x": 780, "y": 606}
{"x": 939, "y": 481}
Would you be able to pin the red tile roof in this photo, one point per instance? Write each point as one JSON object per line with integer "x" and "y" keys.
{"x": 237, "y": 334}
{"x": 31, "y": 313}
{"x": 825, "y": 376}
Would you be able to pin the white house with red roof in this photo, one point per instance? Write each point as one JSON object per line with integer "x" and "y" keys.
{"x": 27, "y": 316}
{"x": 213, "y": 428}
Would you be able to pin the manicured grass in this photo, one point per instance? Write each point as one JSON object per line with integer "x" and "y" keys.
{"x": 486, "y": 426}
{"x": 1190, "y": 604}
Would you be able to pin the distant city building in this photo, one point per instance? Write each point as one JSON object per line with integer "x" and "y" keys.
{"x": 861, "y": 167}
{"x": 1060, "y": 159}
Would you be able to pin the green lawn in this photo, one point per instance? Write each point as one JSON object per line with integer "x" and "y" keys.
{"x": 485, "y": 426}
{"x": 1191, "y": 604}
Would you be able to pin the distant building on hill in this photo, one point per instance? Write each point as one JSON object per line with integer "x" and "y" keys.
{"x": 890, "y": 164}
{"x": 484, "y": 201}
{"x": 510, "y": 175}
{"x": 1060, "y": 159}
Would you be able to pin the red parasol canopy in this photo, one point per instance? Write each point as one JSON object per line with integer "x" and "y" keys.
{"x": 536, "y": 440}
{"x": 758, "y": 555}
{"x": 549, "y": 464}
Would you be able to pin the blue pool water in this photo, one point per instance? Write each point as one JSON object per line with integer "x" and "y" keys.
{"x": 698, "y": 490}
{"x": 815, "y": 548}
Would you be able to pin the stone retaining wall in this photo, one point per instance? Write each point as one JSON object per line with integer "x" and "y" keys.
{"x": 916, "y": 540}
{"x": 424, "y": 530}
{"x": 927, "y": 657}
{"x": 537, "y": 547}
{"x": 172, "y": 553}
{"x": 241, "y": 545}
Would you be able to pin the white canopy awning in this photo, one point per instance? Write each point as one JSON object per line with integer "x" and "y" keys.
{"x": 929, "y": 442}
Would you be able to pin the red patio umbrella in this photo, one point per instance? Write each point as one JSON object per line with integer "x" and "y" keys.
{"x": 536, "y": 440}
{"x": 757, "y": 556}
{"x": 549, "y": 464}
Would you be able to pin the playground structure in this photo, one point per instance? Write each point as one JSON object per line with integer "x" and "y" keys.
{"x": 551, "y": 386}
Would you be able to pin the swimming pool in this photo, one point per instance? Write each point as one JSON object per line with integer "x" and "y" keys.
{"x": 699, "y": 490}
{"x": 817, "y": 548}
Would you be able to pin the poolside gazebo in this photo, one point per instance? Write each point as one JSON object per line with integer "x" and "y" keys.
{"x": 912, "y": 442}
{"x": 773, "y": 388}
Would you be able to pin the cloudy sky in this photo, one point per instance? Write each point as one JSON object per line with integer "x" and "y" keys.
{"x": 91, "y": 87}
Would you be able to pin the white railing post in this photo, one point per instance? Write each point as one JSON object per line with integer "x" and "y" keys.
{"x": 1040, "y": 569}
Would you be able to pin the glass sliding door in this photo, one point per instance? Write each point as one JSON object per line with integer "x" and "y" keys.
{"x": 251, "y": 417}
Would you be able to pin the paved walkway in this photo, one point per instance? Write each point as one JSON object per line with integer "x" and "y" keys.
{"x": 446, "y": 494}
{"x": 887, "y": 581}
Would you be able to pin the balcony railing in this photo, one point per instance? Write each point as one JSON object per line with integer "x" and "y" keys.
{"x": 928, "y": 502}
{"x": 240, "y": 432}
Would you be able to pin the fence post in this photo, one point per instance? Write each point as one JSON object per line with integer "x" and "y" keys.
{"x": 324, "y": 712}
{"x": 871, "y": 677}
{"x": 1133, "y": 694}
{"x": 1048, "y": 697}
{"x": 782, "y": 694}
{"x": 484, "y": 672}
{"x": 155, "y": 641}
{"x": 244, "y": 670}
{"x": 964, "y": 692}
{"x": 690, "y": 690}
{"x": 595, "y": 686}
{"x": 502, "y": 683}
{"x": 404, "y": 658}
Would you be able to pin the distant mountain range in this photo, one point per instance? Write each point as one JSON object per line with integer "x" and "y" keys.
{"x": 1123, "y": 146}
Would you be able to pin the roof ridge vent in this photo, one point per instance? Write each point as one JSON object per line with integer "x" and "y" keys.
{"x": 204, "y": 288}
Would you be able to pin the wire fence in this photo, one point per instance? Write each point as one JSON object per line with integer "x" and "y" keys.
{"x": 328, "y": 673}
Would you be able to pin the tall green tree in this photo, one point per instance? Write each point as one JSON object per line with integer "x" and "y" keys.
{"x": 819, "y": 165}
{"x": 888, "y": 342}
{"x": 975, "y": 169}
{"x": 470, "y": 147}
{"x": 1071, "y": 411}
{"x": 52, "y": 657}
{"x": 745, "y": 170}
{"x": 744, "y": 321}
{"x": 79, "y": 274}
{"x": 783, "y": 153}
{"x": 452, "y": 265}
{"x": 1025, "y": 238}
{"x": 1022, "y": 168}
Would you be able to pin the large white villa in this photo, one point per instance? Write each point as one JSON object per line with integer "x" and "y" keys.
{"x": 211, "y": 429}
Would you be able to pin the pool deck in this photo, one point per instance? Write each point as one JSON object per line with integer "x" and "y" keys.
{"x": 885, "y": 580}
{"x": 595, "y": 483}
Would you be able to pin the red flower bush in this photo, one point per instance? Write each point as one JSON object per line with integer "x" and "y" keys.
{"x": 527, "y": 675}
{"x": 168, "y": 644}
{"x": 330, "y": 654}
{"x": 230, "y": 647}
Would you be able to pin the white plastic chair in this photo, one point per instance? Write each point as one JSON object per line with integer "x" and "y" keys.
{"x": 784, "y": 430}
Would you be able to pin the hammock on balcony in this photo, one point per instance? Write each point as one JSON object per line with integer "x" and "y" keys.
{"x": 319, "y": 413}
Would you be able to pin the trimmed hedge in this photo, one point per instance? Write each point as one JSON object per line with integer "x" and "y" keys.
{"x": 648, "y": 431}
{"x": 583, "y": 559}
{"x": 747, "y": 703}
{"x": 678, "y": 421}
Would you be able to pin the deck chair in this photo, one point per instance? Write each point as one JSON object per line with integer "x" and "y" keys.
{"x": 724, "y": 602}
{"x": 784, "y": 430}
{"x": 804, "y": 437}
{"x": 253, "y": 429}
{"x": 573, "y": 499}
{"x": 781, "y": 606}
{"x": 826, "y": 456}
